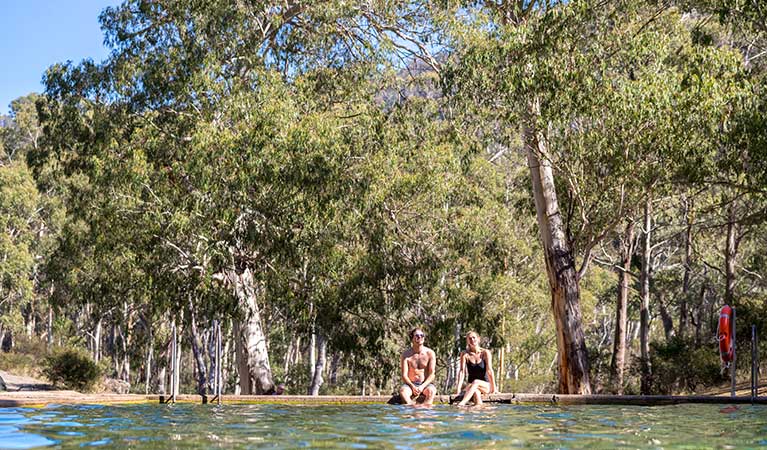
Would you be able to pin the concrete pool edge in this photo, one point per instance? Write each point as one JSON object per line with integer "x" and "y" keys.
{"x": 43, "y": 398}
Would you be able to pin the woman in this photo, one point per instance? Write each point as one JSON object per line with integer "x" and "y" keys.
{"x": 477, "y": 362}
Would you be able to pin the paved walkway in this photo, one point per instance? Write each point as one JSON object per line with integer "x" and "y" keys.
{"x": 15, "y": 383}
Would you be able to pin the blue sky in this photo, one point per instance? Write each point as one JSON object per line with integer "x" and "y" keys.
{"x": 35, "y": 34}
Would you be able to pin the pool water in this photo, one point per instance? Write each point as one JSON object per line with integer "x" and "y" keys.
{"x": 384, "y": 426}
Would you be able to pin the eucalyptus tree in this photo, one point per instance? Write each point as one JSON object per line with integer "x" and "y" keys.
{"x": 193, "y": 116}
{"x": 739, "y": 181}
{"x": 31, "y": 220}
{"x": 745, "y": 26}
{"x": 613, "y": 103}
{"x": 19, "y": 200}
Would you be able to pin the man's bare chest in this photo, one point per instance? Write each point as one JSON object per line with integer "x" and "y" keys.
{"x": 419, "y": 361}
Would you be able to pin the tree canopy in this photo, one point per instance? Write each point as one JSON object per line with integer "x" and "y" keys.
{"x": 321, "y": 177}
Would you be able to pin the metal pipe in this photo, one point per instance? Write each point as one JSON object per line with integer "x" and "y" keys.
{"x": 214, "y": 361}
{"x": 219, "y": 387}
{"x": 173, "y": 366}
{"x": 177, "y": 371}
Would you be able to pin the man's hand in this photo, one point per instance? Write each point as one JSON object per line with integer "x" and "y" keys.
{"x": 416, "y": 391}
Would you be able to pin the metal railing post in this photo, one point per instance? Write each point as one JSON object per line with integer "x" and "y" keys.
{"x": 734, "y": 354}
{"x": 219, "y": 369}
{"x": 173, "y": 365}
{"x": 215, "y": 358}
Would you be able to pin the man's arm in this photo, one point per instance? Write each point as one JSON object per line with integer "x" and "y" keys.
{"x": 430, "y": 369}
{"x": 403, "y": 366}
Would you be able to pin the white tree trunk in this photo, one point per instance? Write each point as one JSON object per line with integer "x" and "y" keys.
{"x": 149, "y": 354}
{"x": 212, "y": 367}
{"x": 162, "y": 365}
{"x": 644, "y": 309}
{"x": 97, "y": 341}
{"x": 621, "y": 311}
{"x": 125, "y": 339}
{"x": 254, "y": 353}
{"x": 312, "y": 353}
{"x": 573, "y": 363}
{"x": 288, "y": 356}
{"x": 317, "y": 380}
{"x": 177, "y": 373}
{"x": 50, "y": 326}
{"x": 197, "y": 351}
{"x": 241, "y": 362}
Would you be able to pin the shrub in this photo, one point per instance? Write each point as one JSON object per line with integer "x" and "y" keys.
{"x": 71, "y": 369}
{"x": 681, "y": 366}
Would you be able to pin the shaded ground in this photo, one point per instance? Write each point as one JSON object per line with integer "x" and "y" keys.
{"x": 21, "y": 383}
{"x": 741, "y": 388}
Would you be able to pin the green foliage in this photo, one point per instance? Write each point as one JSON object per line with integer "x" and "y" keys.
{"x": 26, "y": 356}
{"x": 20, "y": 364}
{"x": 751, "y": 310}
{"x": 18, "y": 202}
{"x": 71, "y": 369}
{"x": 681, "y": 366}
{"x": 364, "y": 199}
{"x": 603, "y": 76}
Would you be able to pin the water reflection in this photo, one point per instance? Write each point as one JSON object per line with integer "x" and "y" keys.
{"x": 382, "y": 426}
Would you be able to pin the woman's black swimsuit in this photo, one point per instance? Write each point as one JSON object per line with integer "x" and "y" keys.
{"x": 476, "y": 371}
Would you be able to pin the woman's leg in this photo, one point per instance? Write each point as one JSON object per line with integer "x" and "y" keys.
{"x": 477, "y": 398}
{"x": 471, "y": 389}
{"x": 468, "y": 393}
{"x": 474, "y": 392}
{"x": 483, "y": 387}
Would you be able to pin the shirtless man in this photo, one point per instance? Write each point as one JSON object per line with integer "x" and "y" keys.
{"x": 418, "y": 364}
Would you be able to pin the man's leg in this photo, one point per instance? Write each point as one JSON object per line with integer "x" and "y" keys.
{"x": 406, "y": 395}
{"x": 428, "y": 395}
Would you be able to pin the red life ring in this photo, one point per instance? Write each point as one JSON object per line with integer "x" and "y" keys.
{"x": 724, "y": 334}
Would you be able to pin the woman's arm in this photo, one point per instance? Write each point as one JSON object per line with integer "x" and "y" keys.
{"x": 490, "y": 372}
{"x": 462, "y": 364}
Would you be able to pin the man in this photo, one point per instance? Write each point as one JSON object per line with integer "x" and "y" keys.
{"x": 418, "y": 367}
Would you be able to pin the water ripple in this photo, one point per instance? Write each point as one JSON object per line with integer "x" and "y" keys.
{"x": 382, "y": 426}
